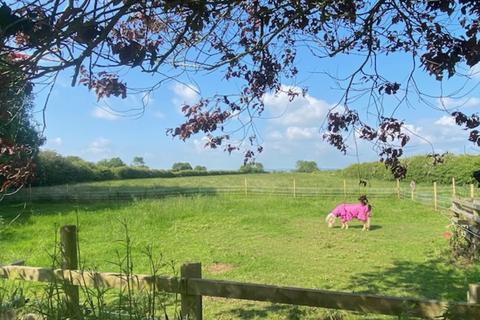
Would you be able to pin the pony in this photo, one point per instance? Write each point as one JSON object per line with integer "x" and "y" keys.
{"x": 346, "y": 212}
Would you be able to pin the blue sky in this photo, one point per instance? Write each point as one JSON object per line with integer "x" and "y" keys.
{"x": 78, "y": 124}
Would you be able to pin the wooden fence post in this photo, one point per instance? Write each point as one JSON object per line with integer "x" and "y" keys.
{"x": 191, "y": 308}
{"x": 454, "y": 189}
{"x": 435, "y": 204}
{"x": 398, "y": 188}
{"x": 68, "y": 242}
{"x": 294, "y": 189}
{"x": 473, "y": 294}
{"x": 344, "y": 188}
{"x": 246, "y": 187}
{"x": 472, "y": 191}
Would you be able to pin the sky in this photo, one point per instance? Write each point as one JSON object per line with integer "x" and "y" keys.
{"x": 78, "y": 124}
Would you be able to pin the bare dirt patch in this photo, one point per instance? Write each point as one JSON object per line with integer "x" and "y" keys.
{"x": 219, "y": 268}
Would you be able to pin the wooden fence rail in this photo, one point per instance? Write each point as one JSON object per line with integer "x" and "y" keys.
{"x": 466, "y": 215}
{"x": 438, "y": 196}
{"x": 191, "y": 286}
{"x": 198, "y": 287}
{"x": 118, "y": 194}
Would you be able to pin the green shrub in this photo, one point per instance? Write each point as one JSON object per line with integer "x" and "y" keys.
{"x": 422, "y": 169}
{"x": 132, "y": 173}
{"x": 256, "y": 167}
{"x": 306, "y": 166}
{"x": 54, "y": 169}
{"x": 180, "y": 166}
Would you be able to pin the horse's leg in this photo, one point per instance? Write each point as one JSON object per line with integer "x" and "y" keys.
{"x": 366, "y": 225}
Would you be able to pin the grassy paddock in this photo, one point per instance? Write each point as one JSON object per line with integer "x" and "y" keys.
{"x": 273, "y": 240}
{"x": 306, "y": 184}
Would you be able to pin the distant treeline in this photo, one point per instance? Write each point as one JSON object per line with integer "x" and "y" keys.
{"x": 55, "y": 169}
{"x": 421, "y": 169}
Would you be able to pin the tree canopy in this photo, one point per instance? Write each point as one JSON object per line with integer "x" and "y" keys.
{"x": 20, "y": 138}
{"x": 111, "y": 163}
{"x": 306, "y": 166}
{"x": 255, "y": 42}
{"x": 138, "y": 162}
{"x": 179, "y": 166}
{"x": 256, "y": 167}
{"x": 200, "y": 168}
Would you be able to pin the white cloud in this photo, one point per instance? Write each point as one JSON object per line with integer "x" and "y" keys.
{"x": 413, "y": 129}
{"x": 442, "y": 133}
{"x": 274, "y": 135}
{"x": 302, "y": 111}
{"x": 199, "y": 144}
{"x": 159, "y": 115}
{"x": 297, "y": 119}
{"x": 418, "y": 134}
{"x": 297, "y": 133}
{"x": 446, "y": 121}
{"x": 99, "y": 146}
{"x": 147, "y": 98}
{"x": 475, "y": 71}
{"x": 185, "y": 94}
{"x": 294, "y": 131}
{"x": 470, "y": 102}
{"x": 104, "y": 113}
{"x": 57, "y": 141}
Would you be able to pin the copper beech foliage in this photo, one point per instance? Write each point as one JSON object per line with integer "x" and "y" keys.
{"x": 253, "y": 41}
{"x": 17, "y": 168}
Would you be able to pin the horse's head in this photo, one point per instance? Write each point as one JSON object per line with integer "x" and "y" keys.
{"x": 363, "y": 199}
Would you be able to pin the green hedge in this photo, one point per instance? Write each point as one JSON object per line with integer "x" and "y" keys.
{"x": 421, "y": 169}
{"x": 54, "y": 169}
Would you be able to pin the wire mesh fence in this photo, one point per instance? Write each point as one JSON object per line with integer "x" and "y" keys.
{"x": 437, "y": 196}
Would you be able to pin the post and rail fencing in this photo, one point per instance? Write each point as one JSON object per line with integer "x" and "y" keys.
{"x": 438, "y": 196}
{"x": 246, "y": 188}
{"x": 466, "y": 216}
{"x": 192, "y": 287}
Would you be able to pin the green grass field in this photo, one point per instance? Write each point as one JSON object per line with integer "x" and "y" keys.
{"x": 268, "y": 239}
{"x": 306, "y": 184}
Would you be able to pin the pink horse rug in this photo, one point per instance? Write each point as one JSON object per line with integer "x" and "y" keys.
{"x": 347, "y": 212}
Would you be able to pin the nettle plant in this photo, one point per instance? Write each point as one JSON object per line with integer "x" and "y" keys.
{"x": 255, "y": 43}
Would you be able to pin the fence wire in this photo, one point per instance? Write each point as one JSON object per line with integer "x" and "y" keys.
{"x": 444, "y": 203}
{"x": 426, "y": 195}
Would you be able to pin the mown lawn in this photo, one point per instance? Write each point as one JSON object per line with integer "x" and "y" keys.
{"x": 273, "y": 240}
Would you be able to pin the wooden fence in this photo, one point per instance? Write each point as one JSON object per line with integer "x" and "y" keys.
{"x": 192, "y": 287}
{"x": 466, "y": 215}
{"x": 437, "y": 196}
{"x": 125, "y": 193}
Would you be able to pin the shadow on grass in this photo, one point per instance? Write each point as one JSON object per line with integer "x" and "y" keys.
{"x": 434, "y": 279}
{"x": 15, "y": 215}
{"x": 103, "y": 193}
{"x": 249, "y": 311}
{"x": 18, "y": 210}
{"x": 254, "y": 311}
{"x": 359, "y": 226}
{"x": 89, "y": 199}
